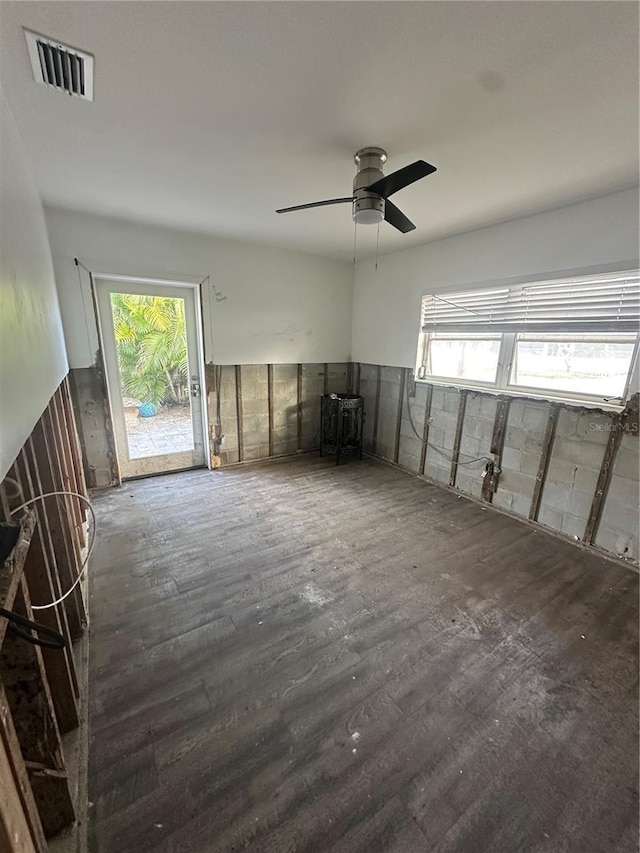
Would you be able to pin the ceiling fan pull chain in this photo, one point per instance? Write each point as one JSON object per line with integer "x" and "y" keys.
{"x": 355, "y": 231}
{"x": 377, "y": 244}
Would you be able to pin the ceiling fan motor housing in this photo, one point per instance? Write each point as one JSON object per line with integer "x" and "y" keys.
{"x": 368, "y": 208}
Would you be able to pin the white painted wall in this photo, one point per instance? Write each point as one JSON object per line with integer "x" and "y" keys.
{"x": 585, "y": 237}
{"x": 262, "y": 304}
{"x": 33, "y": 360}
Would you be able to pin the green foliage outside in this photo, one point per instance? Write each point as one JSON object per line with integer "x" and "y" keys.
{"x": 152, "y": 347}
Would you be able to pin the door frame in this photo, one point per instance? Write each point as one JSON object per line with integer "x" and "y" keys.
{"x": 194, "y": 288}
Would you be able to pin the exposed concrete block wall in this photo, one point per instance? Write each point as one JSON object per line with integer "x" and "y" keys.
{"x": 479, "y": 418}
{"x": 619, "y": 527}
{"x": 524, "y": 438}
{"x": 254, "y": 411}
{"x": 91, "y": 407}
{"x": 269, "y": 410}
{"x": 574, "y": 466}
{"x": 410, "y": 450}
{"x": 442, "y": 430}
{"x": 574, "y": 454}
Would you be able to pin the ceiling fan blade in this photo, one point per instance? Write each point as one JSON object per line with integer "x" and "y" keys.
{"x": 315, "y": 204}
{"x": 397, "y": 218}
{"x": 390, "y": 184}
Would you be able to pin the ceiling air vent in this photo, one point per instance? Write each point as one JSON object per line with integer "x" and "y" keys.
{"x": 62, "y": 67}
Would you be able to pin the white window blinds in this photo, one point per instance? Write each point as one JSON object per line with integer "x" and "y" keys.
{"x": 602, "y": 303}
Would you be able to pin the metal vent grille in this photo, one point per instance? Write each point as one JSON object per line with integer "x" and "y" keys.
{"x": 59, "y": 66}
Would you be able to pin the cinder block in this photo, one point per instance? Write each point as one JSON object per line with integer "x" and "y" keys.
{"x": 551, "y": 517}
{"x": 516, "y": 437}
{"x": 473, "y": 406}
{"x": 578, "y": 451}
{"x": 258, "y": 424}
{"x": 521, "y": 504}
{"x": 511, "y": 459}
{"x": 566, "y": 499}
{"x": 623, "y": 492}
{"x": 471, "y": 447}
{"x": 516, "y": 483}
{"x": 408, "y": 460}
{"x": 566, "y": 423}
{"x": 452, "y": 401}
{"x": 253, "y": 438}
{"x": 436, "y": 436}
{"x": 535, "y": 416}
{"x": 253, "y": 373}
{"x": 436, "y": 471}
{"x": 503, "y": 498}
{"x": 478, "y": 428}
{"x": 626, "y": 464}
{"x": 256, "y": 451}
{"x": 595, "y": 426}
{"x": 421, "y": 396}
{"x": 618, "y": 542}
{"x": 411, "y": 446}
{"x": 574, "y": 525}
{"x": 437, "y": 401}
{"x": 562, "y": 473}
{"x": 585, "y": 480}
{"x": 469, "y": 480}
{"x": 516, "y": 413}
{"x": 488, "y": 406}
{"x": 530, "y": 463}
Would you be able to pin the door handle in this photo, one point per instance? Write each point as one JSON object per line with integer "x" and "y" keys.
{"x": 195, "y": 389}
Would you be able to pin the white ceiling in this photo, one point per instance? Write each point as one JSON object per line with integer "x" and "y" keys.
{"x": 209, "y": 115}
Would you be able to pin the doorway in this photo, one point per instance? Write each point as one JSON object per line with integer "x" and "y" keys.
{"x": 153, "y": 360}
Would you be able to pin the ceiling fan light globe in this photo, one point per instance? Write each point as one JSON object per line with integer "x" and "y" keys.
{"x": 368, "y": 216}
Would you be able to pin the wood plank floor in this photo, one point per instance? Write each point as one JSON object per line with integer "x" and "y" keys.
{"x": 297, "y": 657}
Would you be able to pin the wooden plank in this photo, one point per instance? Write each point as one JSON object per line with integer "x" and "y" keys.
{"x": 545, "y": 456}
{"x": 239, "y": 412}
{"x": 11, "y": 747}
{"x": 604, "y": 478}
{"x": 74, "y": 436}
{"x": 25, "y": 681}
{"x": 60, "y": 457}
{"x": 12, "y": 569}
{"x": 376, "y": 410}
{"x": 425, "y": 427}
{"x": 53, "y": 797}
{"x": 59, "y": 663}
{"x": 492, "y": 478}
{"x": 403, "y": 382}
{"x": 64, "y": 554}
{"x": 15, "y": 833}
{"x": 71, "y": 472}
{"x": 270, "y": 405}
{"x": 458, "y": 438}
{"x": 299, "y": 407}
{"x": 43, "y": 525}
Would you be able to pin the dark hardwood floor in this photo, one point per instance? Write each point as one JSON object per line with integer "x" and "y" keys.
{"x": 297, "y": 657}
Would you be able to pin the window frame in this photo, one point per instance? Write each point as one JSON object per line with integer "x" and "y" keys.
{"x": 504, "y": 385}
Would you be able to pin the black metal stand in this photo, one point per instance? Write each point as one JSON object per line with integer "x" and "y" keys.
{"x": 341, "y": 424}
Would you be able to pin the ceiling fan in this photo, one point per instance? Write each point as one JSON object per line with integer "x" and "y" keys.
{"x": 371, "y": 190}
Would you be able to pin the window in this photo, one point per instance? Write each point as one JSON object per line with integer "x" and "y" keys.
{"x": 571, "y": 338}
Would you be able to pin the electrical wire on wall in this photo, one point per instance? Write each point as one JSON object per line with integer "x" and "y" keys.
{"x": 485, "y": 459}
{"x": 50, "y": 638}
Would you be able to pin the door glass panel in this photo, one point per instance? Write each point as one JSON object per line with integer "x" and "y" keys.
{"x": 151, "y": 343}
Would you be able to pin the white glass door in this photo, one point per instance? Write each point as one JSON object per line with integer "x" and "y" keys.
{"x": 152, "y": 361}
